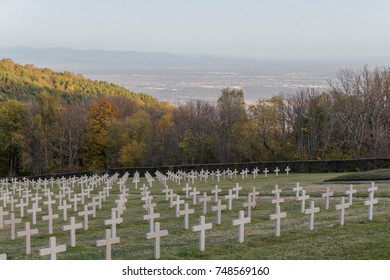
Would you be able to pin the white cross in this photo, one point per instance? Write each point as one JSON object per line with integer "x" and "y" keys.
{"x": 86, "y": 213}
{"x": 215, "y": 191}
{"x": 342, "y": 206}
{"x": 277, "y": 199}
{"x": 53, "y": 249}
{"x": 311, "y": 211}
{"x": 2, "y": 215}
{"x": 277, "y": 171}
{"x": 370, "y": 203}
{"x": 72, "y": 228}
{"x": 327, "y": 195}
{"x": 95, "y": 202}
{"x": 193, "y": 194}
{"x": 350, "y": 193}
{"x": 113, "y": 222}
{"x": 12, "y": 201}
{"x": 373, "y": 188}
{"x": 186, "y": 212}
{"x": 49, "y": 202}
{"x": 12, "y": 222}
{"x": 249, "y": 205}
{"x": 254, "y": 193}
{"x": 266, "y": 172}
{"x": 156, "y": 235}
{"x": 230, "y": 197}
{"x": 204, "y": 199}
{"x": 276, "y": 190}
{"x": 186, "y": 189}
{"x": 297, "y": 190}
{"x": 108, "y": 241}
{"x": 27, "y": 233}
{"x": 36, "y": 198}
{"x": 303, "y": 199}
{"x": 64, "y": 209}
{"x": 218, "y": 208}
{"x": 240, "y": 222}
{"x": 177, "y": 203}
{"x": 277, "y": 217}
{"x": 237, "y": 188}
{"x": 150, "y": 217}
{"x": 50, "y": 217}
{"x": 202, "y": 227}
{"x": 21, "y": 206}
{"x": 171, "y": 202}
{"x": 75, "y": 200}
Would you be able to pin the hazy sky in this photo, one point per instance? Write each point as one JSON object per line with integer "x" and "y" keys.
{"x": 253, "y": 28}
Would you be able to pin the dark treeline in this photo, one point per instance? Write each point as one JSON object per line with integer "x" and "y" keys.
{"x": 55, "y": 133}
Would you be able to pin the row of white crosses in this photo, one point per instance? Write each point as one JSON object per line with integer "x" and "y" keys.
{"x": 73, "y": 226}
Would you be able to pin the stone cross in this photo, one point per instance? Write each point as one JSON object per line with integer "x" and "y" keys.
{"x": 297, "y": 190}
{"x": 72, "y": 228}
{"x": 94, "y": 203}
{"x": 49, "y": 202}
{"x": 277, "y": 170}
{"x": 75, "y": 200}
{"x": 193, "y": 194}
{"x": 177, "y": 203}
{"x": 53, "y": 249}
{"x": 186, "y": 212}
{"x": 277, "y": 199}
{"x": 342, "y": 206}
{"x": 50, "y": 217}
{"x": 113, "y": 222}
{"x": 156, "y": 235}
{"x": 204, "y": 199}
{"x": 237, "y": 188}
{"x": 2, "y": 215}
{"x": 108, "y": 241}
{"x": 34, "y": 210}
{"x": 311, "y": 211}
{"x": 249, "y": 205}
{"x": 276, "y": 190}
{"x": 266, "y": 172}
{"x": 11, "y": 200}
{"x": 202, "y": 227}
{"x": 36, "y": 198}
{"x": 370, "y": 203}
{"x": 303, "y": 199}
{"x": 218, "y": 208}
{"x": 215, "y": 191}
{"x": 373, "y": 188}
{"x": 64, "y": 207}
{"x": 12, "y": 222}
{"x": 85, "y": 213}
{"x": 254, "y": 193}
{"x": 230, "y": 198}
{"x": 240, "y": 222}
{"x": 21, "y": 206}
{"x": 350, "y": 193}
{"x": 187, "y": 189}
{"x": 27, "y": 233}
{"x": 327, "y": 195}
{"x": 287, "y": 170}
{"x": 277, "y": 217}
{"x": 150, "y": 217}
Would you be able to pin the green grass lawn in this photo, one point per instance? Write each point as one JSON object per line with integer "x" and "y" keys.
{"x": 372, "y": 175}
{"x": 357, "y": 239}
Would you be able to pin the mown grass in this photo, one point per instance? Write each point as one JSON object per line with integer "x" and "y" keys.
{"x": 372, "y": 175}
{"x": 357, "y": 239}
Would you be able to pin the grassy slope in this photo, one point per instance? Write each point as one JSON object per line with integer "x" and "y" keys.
{"x": 358, "y": 239}
{"x": 372, "y": 175}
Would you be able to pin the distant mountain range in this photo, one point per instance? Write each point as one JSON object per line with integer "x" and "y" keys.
{"x": 106, "y": 58}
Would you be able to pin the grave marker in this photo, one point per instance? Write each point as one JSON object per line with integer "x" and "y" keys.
{"x": 50, "y": 217}
{"x": 156, "y": 235}
{"x": 303, "y": 199}
{"x": 342, "y": 206}
{"x": 277, "y": 217}
{"x": 72, "y": 228}
{"x": 186, "y": 212}
{"x": 240, "y": 222}
{"x": 230, "y": 198}
{"x": 218, "y": 208}
{"x": 249, "y": 205}
{"x": 86, "y": 213}
{"x": 237, "y": 188}
{"x": 2, "y": 215}
{"x": 113, "y": 222}
{"x": 53, "y": 249}
{"x": 64, "y": 209}
{"x": 297, "y": 190}
{"x": 370, "y": 203}
{"x": 327, "y": 195}
{"x": 350, "y": 193}
{"x": 108, "y": 241}
{"x": 204, "y": 199}
{"x": 202, "y": 227}
{"x": 150, "y": 217}
{"x": 311, "y": 211}
{"x": 215, "y": 191}
{"x": 193, "y": 194}
{"x": 27, "y": 233}
{"x": 12, "y": 222}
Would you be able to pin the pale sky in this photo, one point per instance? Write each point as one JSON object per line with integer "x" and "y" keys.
{"x": 244, "y": 28}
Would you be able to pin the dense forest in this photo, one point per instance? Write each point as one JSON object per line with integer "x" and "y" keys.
{"x": 60, "y": 122}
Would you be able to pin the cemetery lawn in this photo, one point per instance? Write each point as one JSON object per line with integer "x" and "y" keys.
{"x": 357, "y": 239}
{"x": 372, "y": 175}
